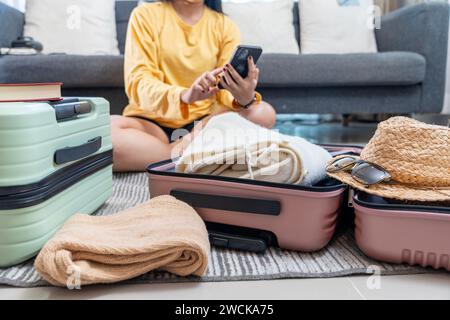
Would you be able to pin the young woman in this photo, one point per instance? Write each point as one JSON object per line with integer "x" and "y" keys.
{"x": 176, "y": 53}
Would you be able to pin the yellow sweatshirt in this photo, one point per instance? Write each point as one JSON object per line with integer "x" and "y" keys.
{"x": 164, "y": 56}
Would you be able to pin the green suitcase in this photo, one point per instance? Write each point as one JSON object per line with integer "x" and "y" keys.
{"x": 55, "y": 161}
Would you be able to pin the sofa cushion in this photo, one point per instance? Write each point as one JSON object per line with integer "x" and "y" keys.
{"x": 329, "y": 70}
{"x": 277, "y": 70}
{"x": 278, "y": 36}
{"x": 11, "y": 25}
{"x": 339, "y": 26}
{"x": 83, "y": 27}
{"x": 123, "y": 12}
{"x": 74, "y": 71}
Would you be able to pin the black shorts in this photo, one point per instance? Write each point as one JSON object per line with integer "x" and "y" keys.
{"x": 171, "y": 133}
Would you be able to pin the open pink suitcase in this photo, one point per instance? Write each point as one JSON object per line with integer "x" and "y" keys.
{"x": 395, "y": 232}
{"x": 252, "y": 215}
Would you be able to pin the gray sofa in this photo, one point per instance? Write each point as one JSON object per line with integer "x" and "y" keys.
{"x": 406, "y": 76}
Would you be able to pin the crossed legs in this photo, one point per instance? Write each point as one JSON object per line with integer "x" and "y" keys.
{"x": 138, "y": 142}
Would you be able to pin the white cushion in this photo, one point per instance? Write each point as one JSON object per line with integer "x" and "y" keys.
{"x": 265, "y": 24}
{"x": 336, "y": 26}
{"x": 84, "y": 27}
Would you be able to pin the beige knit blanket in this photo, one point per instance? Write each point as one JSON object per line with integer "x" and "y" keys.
{"x": 163, "y": 233}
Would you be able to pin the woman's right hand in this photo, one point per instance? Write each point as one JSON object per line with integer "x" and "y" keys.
{"x": 203, "y": 88}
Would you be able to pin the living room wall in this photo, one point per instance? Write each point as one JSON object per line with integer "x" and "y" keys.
{"x": 390, "y": 5}
{"x": 447, "y": 95}
{"x": 19, "y": 4}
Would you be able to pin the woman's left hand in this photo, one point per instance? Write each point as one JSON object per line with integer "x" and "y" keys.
{"x": 243, "y": 90}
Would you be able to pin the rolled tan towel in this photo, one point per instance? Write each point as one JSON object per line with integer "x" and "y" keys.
{"x": 163, "y": 233}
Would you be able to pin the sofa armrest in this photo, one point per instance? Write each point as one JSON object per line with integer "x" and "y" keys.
{"x": 11, "y": 24}
{"x": 423, "y": 29}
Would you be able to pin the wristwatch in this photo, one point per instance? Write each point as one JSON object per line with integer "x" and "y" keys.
{"x": 256, "y": 99}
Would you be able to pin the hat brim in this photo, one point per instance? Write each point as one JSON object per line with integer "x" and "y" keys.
{"x": 394, "y": 190}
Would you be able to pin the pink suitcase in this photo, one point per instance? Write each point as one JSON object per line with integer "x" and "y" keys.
{"x": 252, "y": 215}
{"x": 395, "y": 232}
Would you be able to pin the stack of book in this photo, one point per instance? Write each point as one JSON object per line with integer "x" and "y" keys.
{"x": 30, "y": 92}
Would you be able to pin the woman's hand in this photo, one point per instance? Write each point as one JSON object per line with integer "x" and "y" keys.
{"x": 243, "y": 90}
{"x": 203, "y": 88}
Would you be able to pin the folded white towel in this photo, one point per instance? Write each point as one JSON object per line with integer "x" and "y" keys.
{"x": 229, "y": 145}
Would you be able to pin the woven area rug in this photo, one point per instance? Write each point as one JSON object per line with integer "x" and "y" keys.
{"x": 340, "y": 258}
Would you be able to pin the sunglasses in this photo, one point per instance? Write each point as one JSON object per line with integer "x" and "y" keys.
{"x": 362, "y": 171}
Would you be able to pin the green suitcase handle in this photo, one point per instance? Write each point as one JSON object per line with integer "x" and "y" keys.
{"x": 71, "y": 108}
{"x": 70, "y": 154}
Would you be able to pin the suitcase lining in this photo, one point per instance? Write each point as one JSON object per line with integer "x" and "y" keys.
{"x": 374, "y": 202}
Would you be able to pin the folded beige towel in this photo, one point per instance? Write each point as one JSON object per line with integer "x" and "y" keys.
{"x": 163, "y": 233}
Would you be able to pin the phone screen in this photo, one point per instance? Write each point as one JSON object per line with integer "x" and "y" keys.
{"x": 240, "y": 59}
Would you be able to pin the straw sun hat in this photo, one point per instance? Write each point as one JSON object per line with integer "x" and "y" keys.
{"x": 415, "y": 154}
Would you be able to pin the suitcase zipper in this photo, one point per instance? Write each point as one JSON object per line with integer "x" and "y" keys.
{"x": 26, "y": 196}
{"x": 351, "y": 194}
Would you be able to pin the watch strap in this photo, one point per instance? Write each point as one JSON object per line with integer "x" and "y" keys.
{"x": 257, "y": 98}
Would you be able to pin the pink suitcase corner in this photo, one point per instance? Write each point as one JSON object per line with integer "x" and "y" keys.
{"x": 400, "y": 233}
{"x": 299, "y": 218}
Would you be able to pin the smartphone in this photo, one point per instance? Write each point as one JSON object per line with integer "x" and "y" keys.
{"x": 240, "y": 59}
